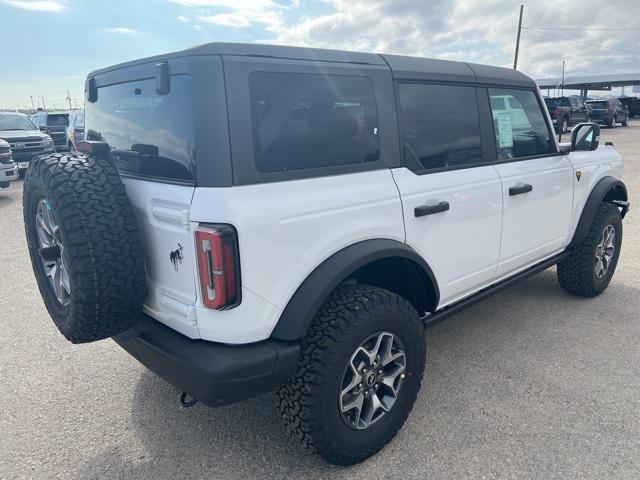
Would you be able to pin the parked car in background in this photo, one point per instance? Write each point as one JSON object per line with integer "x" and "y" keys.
{"x": 633, "y": 104}
{"x": 24, "y": 138}
{"x": 608, "y": 112}
{"x": 55, "y": 125}
{"x": 8, "y": 168}
{"x": 566, "y": 111}
{"x": 75, "y": 129}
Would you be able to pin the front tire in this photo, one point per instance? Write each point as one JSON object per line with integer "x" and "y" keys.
{"x": 587, "y": 271}
{"x": 358, "y": 376}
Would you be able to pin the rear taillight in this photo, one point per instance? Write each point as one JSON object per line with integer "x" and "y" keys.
{"x": 218, "y": 266}
{"x": 556, "y": 112}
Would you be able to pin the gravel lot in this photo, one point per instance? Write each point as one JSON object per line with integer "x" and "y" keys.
{"x": 532, "y": 383}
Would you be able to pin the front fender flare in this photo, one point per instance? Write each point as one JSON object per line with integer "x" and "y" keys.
{"x": 607, "y": 188}
{"x": 311, "y": 294}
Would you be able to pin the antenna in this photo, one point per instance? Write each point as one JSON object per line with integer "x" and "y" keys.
{"x": 515, "y": 58}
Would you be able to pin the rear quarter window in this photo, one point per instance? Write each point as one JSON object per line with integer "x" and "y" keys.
{"x": 304, "y": 121}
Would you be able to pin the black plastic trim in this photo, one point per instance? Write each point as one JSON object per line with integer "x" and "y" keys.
{"x": 597, "y": 195}
{"x": 450, "y": 310}
{"x": 311, "y": 294}
{"x": 215, "y": 374}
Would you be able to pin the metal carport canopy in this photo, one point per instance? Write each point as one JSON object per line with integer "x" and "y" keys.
{"x": 591, "y": 82}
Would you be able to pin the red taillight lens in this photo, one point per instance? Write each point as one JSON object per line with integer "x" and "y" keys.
{"x": 218, "y": 266}
{"x": 557, "y": 111}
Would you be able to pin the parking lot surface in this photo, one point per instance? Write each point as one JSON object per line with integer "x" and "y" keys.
{"x": 531, "y": 383}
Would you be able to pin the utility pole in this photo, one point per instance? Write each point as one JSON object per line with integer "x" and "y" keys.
{"x": 44, "y": 106}
{"x": 515, "y": 58}
{"x": 32, "y": 105}
{"x": 562, "y": 94}
{"x": 69, "y": 99}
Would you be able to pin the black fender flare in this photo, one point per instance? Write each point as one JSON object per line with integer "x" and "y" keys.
{"x": 314, "y": 290}
{"x": 607, "y": 188}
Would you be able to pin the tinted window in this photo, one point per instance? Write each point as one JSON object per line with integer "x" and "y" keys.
{"x": 597, "y": 104}
{"x": 521, "y": 129}
{"x": 440, "y": 125}
{"x": 308, "y": 121}
{"x": 149, "y": 134}
{"x": 58, "y": 120}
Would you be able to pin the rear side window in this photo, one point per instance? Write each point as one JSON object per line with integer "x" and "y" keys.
{"x": 520, "y": 128}
{"x": 304, "y": 121}
{"x": 149, "y": 134}
{"x": 440, "y": 125}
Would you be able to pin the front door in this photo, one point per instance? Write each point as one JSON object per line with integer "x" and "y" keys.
{"x": 452, "y": 201}
{"x": 537, "y": 184}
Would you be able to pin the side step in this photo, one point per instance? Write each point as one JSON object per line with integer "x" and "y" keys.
{"x": 441, "y": 315}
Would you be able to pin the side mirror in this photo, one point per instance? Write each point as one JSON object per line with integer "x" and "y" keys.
{"x": 585, "y": 137}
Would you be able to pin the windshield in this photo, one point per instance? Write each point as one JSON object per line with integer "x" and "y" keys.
{"x": 15, "y": 122}
{"x": 149, "y": 134}
{"x": 597, "y": 104}
{"x": 58, "y": 120}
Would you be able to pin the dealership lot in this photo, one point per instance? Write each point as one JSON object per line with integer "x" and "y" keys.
{"x": 532, "y": 383}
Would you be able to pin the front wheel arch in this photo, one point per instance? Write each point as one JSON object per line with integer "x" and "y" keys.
{"x": 608, "y": 189}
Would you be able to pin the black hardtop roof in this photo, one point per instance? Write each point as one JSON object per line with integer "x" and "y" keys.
{"x": 402, "y": 67}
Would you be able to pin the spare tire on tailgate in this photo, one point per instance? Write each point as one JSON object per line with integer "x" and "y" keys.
{"x": 84, "y": 245}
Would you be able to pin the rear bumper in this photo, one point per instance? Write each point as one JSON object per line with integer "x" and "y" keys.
{"x": 213, "y": 373}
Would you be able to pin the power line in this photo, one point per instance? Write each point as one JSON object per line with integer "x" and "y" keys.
{"x": 587, "y": 28}
{"x": 530, "y": 29}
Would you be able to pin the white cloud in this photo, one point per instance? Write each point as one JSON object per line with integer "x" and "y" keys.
{"x": 182, "y": 18}
{"x": 41, "y": 6}
{"x": 478, "y": 31}
{"x": 197, "y": 27}
{"x": 123, "y": 30}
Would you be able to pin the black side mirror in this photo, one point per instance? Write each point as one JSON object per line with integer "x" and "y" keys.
{"x": 585, "y": 137}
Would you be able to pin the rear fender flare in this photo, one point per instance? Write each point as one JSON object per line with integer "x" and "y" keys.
{"x": 316, "y": 288}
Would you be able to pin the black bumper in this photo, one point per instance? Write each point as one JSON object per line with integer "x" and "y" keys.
{"x": 215, "y": 374}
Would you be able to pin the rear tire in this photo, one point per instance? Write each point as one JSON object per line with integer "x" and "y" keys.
{"x": 626, "y": 122}
{"x": 315, "y": 401}
{"x": 580, "y": 273}
{"x": 613, "y": 122}
{"x": 84, "y": 245}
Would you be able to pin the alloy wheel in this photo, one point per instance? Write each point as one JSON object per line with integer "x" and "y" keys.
{"x": 51, "y": 250}
{"x": 605, "y": 251}
{"x": 372, "y": 380}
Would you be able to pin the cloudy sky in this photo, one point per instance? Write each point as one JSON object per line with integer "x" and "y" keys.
{"x": 48, "y": 46}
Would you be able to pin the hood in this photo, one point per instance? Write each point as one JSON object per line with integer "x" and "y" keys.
{"x": 13, "y": 134}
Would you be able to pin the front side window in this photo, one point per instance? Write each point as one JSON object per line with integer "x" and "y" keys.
{"x": 520, "y": 127}
{"x": 149, "y": 134}
{"x": 440, "y": 125}
{"x": 307, "y": 121}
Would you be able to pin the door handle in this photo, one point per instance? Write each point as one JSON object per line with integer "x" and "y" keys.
{"x": 423, "y": 210}
{"x": 520, "y": 189}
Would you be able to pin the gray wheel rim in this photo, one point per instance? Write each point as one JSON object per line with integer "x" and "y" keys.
{"x": 372, "y": 380}
{"x": 605, "y": 250}
{"x": 51, "y": 250}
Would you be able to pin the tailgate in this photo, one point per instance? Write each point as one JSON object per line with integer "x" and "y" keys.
{"x": 162, "y": 211}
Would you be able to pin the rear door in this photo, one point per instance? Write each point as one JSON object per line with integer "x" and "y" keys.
{"x": 152, "y": 140}
{"x": 537, "y": 184}
{"x": 452, "y": 200}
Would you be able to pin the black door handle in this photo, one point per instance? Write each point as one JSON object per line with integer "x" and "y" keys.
{"x": 526, "y": 188}
{"x": 423, "y": 210}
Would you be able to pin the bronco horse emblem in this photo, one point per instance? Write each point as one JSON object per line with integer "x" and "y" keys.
{"x": 176, "y": 257}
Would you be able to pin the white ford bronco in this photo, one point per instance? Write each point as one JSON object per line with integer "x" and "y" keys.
{"x": 244, "y": 218}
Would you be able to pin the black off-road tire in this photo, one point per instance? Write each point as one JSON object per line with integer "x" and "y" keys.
{"x": 576, "y": 273}
{"x": 626, "y": 122}
{"x": 102, "y": 249}
{"x": 308, "y": 400}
